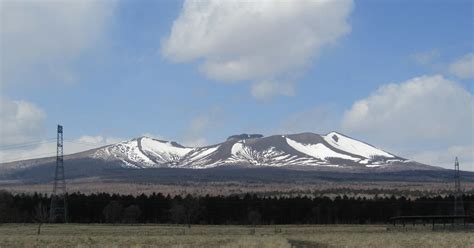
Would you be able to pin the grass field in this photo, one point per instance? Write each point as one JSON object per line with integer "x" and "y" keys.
{"x": 72, "y": 235}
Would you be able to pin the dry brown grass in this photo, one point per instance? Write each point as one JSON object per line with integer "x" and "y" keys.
{"x": 72, "y": 235}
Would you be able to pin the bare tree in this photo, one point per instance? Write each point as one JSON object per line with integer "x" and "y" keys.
{"x": 113, "y": 212}
{"x": 40, "y": 215}
{"x": 131, "y": 214}
{"x": 185, "y": 211}
{"x": 177, "y": 213}
{"x": 254, "y": 217}
{"x": 5, "y": 206}
{"x": 192, "y": 209}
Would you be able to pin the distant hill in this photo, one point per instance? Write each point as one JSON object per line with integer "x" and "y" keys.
{"x": 303, "y": 155}
{"x": 303, "y": 150}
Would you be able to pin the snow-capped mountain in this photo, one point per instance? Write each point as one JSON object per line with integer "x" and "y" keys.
{"x": 307, "y": 150}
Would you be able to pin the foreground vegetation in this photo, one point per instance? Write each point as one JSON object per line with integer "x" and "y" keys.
{"x": 331, "y": 189}
{"x": 228, "y": 210}
{"x": 244, "y": 221}
{"x": 102, "y": 235}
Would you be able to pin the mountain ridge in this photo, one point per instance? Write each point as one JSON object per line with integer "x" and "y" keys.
{"x": 307, "y": 151}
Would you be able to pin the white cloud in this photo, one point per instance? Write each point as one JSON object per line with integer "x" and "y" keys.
{"x": 96, "y": 140}
{"x": 40, "y": 38}
{"x": 199, "y": 141}
{"x": 425, "y": 58}
{"x": 416, "y": 117}
{"x": 463, "y": 67}
{"x": 427, "y": 107}
{"x": 22, "y": 134}
{"x": 154, "y": 136}
{"x": 445, "y": 157}
{"x": 20, "y": 121}
{"x": 267, "y": 89}
{"x": 91, "y": 139}
{"x": 260, "y": 41}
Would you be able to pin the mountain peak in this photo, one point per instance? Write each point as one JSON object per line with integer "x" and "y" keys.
{"x": 308, "y": 150}
{"x": 172, "y": 143}
{"x": 291, "y": 150}
{"x": 244, "y": 136}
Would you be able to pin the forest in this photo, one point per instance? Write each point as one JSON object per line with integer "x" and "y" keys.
{"x": 248, "y": 209}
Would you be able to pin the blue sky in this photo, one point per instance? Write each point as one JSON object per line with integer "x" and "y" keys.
{"x": 121, "y": 80}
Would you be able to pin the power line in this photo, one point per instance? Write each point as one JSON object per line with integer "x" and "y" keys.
{"x": 46, "y": 141}
{"x": 26, "y": 144}
{"x": 29, "y": 141}
{"x": 103, "y": 143}
{"x": 28, "y": 157}
{"x": 16, "y": 146}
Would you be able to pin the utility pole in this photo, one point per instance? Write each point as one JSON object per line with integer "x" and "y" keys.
{"x": 458, "y": 203}
{"x": 58, "y": 208}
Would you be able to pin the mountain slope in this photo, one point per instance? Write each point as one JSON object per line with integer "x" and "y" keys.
{"x": 306, "y": 150}
{"x": 303, "y": 157}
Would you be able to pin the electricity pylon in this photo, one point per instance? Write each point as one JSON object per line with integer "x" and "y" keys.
{"x": 58, "y": 208}
{"x": 458, "y": 203}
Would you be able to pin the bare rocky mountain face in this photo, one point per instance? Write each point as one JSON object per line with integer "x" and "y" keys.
{"x": 305, "y": 150}
{"x": 303, "y": 156}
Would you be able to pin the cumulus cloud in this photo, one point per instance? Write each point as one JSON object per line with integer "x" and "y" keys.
{"x": 264, "y": 42}
{"x": 96, "y": 140}
{"x": 427, "y": 107}
{"x": 22, "y": 133}
{"x": 20, "y": 121}
{"x": 445, "y": 157}
{"x": 463, "y": 67}
{"x": 153, "y": 136}
{"x": 417, "y": 116}
{"x": 268, "y": 89}
{"x": 39, "y": 38}
{"x": 425, "y": 58}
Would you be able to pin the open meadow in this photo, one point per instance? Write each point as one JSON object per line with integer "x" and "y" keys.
{"x": 99, "y": 235}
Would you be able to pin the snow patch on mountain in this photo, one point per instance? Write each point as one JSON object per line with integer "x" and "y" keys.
{"x": 304, "y": 149}
{"x": 199, "y": 158}
{"x": 128, "y": 151}
{"x": 202, "y": 153}
{"x": 268, "y": 157}
{"x": 353, "y": 146}
{"x": 162, "y": 152}
{"x": 159, "y": 147}
{"x": 236, "y": 148}
{"x": 319, "y": 151}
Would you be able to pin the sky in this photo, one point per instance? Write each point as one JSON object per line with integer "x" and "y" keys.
{"x": 396, "y": 74}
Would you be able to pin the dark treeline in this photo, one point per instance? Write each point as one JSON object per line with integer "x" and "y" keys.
{"x": 248, "y": 209}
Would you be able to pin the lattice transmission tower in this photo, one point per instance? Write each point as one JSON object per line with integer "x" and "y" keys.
{"x": 458, "y": 203}
{"x": 58, "y": 208}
